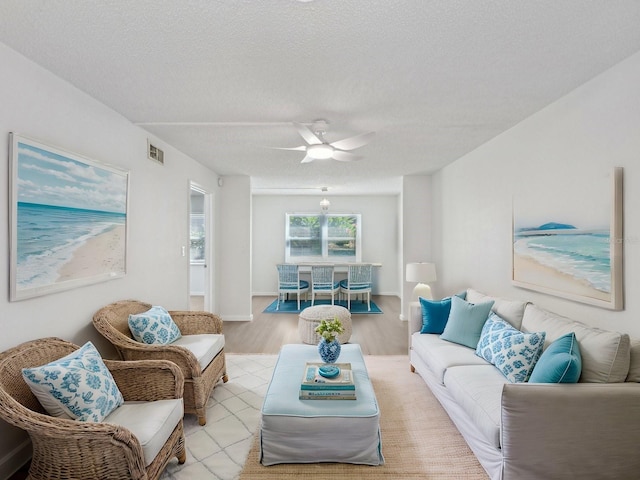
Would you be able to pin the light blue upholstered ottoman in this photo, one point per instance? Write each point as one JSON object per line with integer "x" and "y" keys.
{"x": 310, "y": 431}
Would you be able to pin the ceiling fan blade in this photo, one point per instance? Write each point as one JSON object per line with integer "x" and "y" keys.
{"x": 309, "y": 137}
{"x": 353, "y": 142}
{"x": 344, "y": 156}
{"x": 307, "y": 159}
{"x": 301, "y": 148}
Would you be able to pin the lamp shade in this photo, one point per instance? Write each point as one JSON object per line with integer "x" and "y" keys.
{"x": 421, "y": 272}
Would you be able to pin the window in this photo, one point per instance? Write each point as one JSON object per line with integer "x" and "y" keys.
{"x": 332, "y": 237}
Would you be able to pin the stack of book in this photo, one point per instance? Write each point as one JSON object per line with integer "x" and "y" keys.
{"x": 317, "y": 387}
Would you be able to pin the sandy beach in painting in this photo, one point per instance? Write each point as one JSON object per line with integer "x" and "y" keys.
{"x": 102, "y": 254}
{"x": 527, "y": 270}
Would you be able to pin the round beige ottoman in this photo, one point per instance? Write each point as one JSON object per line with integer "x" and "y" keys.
{"x": 310, "y": 318}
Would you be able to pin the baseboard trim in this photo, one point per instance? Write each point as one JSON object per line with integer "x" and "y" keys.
{"x": 15, "y": 459}
{"x": 237, "y": 318}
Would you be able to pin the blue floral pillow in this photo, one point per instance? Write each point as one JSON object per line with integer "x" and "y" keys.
{"x": 155, "y": 326}
{"x": 78, "y": 386}
{"x": 513, "y": 352}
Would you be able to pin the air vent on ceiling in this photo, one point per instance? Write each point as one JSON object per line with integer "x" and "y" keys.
{"x": 154, "y": 153}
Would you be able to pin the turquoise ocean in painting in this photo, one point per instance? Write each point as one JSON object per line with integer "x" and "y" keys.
{"x": 48, "y": 236}
{"x": 584, "y": 255}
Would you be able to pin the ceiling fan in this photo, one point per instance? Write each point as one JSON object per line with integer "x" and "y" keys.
{"x": 318, "y": 148}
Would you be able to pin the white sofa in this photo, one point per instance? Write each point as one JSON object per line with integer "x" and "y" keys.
{"x": 520, "y": 431}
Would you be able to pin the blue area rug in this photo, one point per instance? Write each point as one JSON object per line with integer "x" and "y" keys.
{"x": 291, "y": 306}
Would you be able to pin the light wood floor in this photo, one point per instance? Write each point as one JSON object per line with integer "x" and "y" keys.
{"x": 378, "y": 334}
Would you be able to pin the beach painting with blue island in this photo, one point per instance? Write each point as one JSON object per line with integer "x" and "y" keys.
{"x": 68, "y": 220}
{"x": 571, "y": 247}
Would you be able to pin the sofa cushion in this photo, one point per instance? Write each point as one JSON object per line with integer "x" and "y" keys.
{"x": 511, "y": 310}
{"x": 560, "y": 363}
{"x": 155, "y": 326}
{"x": 465, "y": 322}
{"x": 513, "y": 352}
{"x": 77, "y": 386}
{"x": 150, "y": 422}
{"x": 439, "y": 355}
{"x": 204, "y": 346}
{"x": 478, "y": 391}
{"x": 634, "y": 363}
{"x": 605, "y": 354}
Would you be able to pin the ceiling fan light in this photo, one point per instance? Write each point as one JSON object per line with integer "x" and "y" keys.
{"x": 320, "y": 152}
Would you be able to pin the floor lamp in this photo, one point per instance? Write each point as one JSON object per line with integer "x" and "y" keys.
{"x": 423, "y": 274}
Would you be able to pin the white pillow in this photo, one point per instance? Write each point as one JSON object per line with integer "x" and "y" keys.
{"x": 155, "y": 326}
{"x": 78, "y": 386}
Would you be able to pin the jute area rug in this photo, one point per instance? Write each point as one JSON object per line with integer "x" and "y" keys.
{"x": 419, "y": 441}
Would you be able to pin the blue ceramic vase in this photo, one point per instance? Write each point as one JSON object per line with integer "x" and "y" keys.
{"x": 329, "y": 351}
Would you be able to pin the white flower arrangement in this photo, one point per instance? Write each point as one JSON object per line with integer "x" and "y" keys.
{"x": 329, "y": 329}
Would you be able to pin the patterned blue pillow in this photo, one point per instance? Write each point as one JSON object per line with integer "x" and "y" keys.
{"x": 155, "y": 326}
{"x": 513, "y": 352}
{"x": 78, "y": 386}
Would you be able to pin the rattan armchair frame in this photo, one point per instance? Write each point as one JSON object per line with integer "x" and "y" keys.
{"x": 112, "y": 323}
{"x": 69, "y": 449}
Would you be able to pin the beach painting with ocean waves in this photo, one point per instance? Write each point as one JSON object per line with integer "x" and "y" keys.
{"x": 68, "y": 220}
{"x": 574, "y": 248}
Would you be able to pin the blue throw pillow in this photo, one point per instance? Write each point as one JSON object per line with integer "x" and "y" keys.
{"x": 78, "y": 386}
{"x": 513, "y": 352}
{"x": 434, "y": 314}
{"x": 465, "y": 322}
{"x": 155, "y": 326}
{"x": 561, "y": 362}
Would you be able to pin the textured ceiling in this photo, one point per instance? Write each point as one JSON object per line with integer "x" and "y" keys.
{"x": 223, "y": 80}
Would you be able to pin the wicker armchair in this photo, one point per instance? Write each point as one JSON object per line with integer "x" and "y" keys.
{"x": 70, "y": 449}
{"x": 112, "y": 322}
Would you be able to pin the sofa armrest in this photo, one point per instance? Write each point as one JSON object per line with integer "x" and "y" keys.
{"x": 415, "y": 318}
{"x": 584, "y": 430}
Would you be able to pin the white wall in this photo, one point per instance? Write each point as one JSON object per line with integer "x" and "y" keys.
{"x": 416, "y": 227}
{"x": 233, "y": 237}
{"x": 39, "y": 105}
{"x": 380, "y": 235}
{"x": 556, "y": 152}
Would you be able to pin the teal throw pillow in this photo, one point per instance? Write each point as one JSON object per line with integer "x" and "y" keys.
{"x": 78, "y": 386}
{"x": 434, "y": 314}
{"x": 465, "y": 322}
{"x": 561, "y": 362}
{"x": 155, "y": 326}
{"x": 512, "y": 352}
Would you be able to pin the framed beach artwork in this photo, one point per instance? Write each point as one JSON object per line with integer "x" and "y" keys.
{"x": 68, "y": 220}
{"x": 568, "y": 242}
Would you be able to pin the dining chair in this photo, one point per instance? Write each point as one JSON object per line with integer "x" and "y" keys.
{"x": 358, "y": 282}
{"x": 289, "y": 282}
{"x": 323, "y": 283}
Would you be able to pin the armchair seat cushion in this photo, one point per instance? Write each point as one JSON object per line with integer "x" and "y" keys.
{"x": 204, "y": 346}
{"x": 344, "y": 284}
{"x": 151, "y": 422}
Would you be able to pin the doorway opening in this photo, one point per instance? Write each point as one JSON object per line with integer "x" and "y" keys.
{"x": 200, "y": 229}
